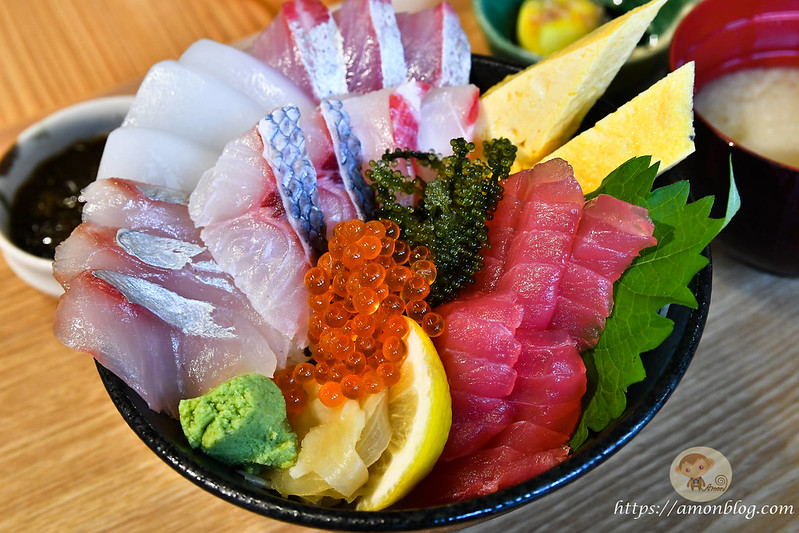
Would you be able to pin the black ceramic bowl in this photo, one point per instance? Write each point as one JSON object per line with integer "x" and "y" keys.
{"x": 664, "y": 366}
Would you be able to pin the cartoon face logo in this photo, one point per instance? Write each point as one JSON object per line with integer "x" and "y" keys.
{"x": 700, "y": 474}
{"x": 694, "y": 466}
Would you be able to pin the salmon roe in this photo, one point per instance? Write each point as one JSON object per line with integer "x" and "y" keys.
{"x": 357, "y": 294}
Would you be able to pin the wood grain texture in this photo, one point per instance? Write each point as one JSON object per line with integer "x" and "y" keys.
{"x": 68, "y": 462}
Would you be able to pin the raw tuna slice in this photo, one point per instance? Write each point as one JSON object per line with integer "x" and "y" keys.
{"x": 609, "y": 237}
{"x": 448, "y": 113}
{"x": 550, "y": 371}
{"x": 437, "y": 50}
{"x": 304, "y": 43}
{"x": 373, "y": 49}
{"x": 557, "y": 257}
{"x": 265, "y": 85}
{"x": 483, "y": 472}
{"x": 155, "y": 156}
{"x": 479, "y": 419}
{"x": 192, "y": 105}
{"x": 481, "y": 369}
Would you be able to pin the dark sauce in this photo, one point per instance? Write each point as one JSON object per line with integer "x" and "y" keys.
{"x": 46, "y": 208}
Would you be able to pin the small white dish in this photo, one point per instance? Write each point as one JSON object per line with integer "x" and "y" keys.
{"x": 38, "y": 142}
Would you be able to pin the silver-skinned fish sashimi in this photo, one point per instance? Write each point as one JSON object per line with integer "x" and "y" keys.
{"x": 187, "y": 327}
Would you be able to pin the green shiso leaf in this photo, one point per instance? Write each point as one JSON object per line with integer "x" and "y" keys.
{"x": 657, "y": 277}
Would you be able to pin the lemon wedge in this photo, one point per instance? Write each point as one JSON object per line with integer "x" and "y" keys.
{"x": 420, "y": 410}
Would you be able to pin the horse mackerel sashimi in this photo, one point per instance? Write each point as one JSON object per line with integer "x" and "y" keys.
{"x": 544, "y": 299}
{"x": 188, "y": 328}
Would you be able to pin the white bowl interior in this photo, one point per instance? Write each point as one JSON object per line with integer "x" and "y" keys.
{"x": 38, "y": 142}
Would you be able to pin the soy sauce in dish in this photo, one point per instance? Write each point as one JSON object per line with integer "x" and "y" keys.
{"x": 46, "y": 208}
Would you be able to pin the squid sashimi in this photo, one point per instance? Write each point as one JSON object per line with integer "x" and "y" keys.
{"x": 304, "y": 43}
{"x": 437, "y": 50}
{"x": 155, "y": 156}
{"x": 530, "y": 403}
{"x": 373, "y": 51}
{"x": 263, "y": 84}
{"x": 192, "y": 105}
{"x": 448, "y": 113}
{"x": 187, "y": 327}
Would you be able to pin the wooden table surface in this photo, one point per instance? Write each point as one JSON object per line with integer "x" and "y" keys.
{"x": 68, "y": 462}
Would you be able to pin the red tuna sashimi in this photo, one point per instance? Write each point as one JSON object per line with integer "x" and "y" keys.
{"x": 373, "y": 51}
{"x": 478, "y": 419}
{"x": 538, "y": 225}
{"x": 478, "y": 351}
{"x": 250, "y": 237}
{"x": 540, "y": 204}
{"x": 610, "y": 235}
{"x": 550, "y": 370}
{"x": 437, "y": 50}
{"x": 483, "y": 472}
{"x": 549, "y": 387}
{"x": 304, "y": 43}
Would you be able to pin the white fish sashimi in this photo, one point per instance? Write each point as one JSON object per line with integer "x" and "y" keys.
{"x": 125, "y": 203}
{"x": 185, "y": 326}
{"x": 266, "y": 86}
{"x": 192, "y": 105}
{"x": 155, "y": 156}
{"x": 304, "y": 43}
{"x": 437, "y": 50}
{"x": 373, "y": 50}
{"x": 386, "y": 119}
{"x": 88, "y": 319}
{"x": 250, "y": 237}
{"x": 178, "y": 282}
{"x": 448, "y": 113}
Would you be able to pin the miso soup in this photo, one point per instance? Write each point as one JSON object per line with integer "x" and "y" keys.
{"x": 758, "y": 109}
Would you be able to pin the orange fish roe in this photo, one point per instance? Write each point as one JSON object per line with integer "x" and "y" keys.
{"x": 357, "y": 293}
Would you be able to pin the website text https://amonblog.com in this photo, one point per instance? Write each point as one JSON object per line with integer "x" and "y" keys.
{"x": 700, "y": 477}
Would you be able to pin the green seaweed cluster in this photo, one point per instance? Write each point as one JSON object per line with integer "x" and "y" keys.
{"x": 448, "y": 213}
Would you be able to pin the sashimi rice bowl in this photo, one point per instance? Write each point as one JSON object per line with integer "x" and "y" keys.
{"x": 355, "y": 277}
